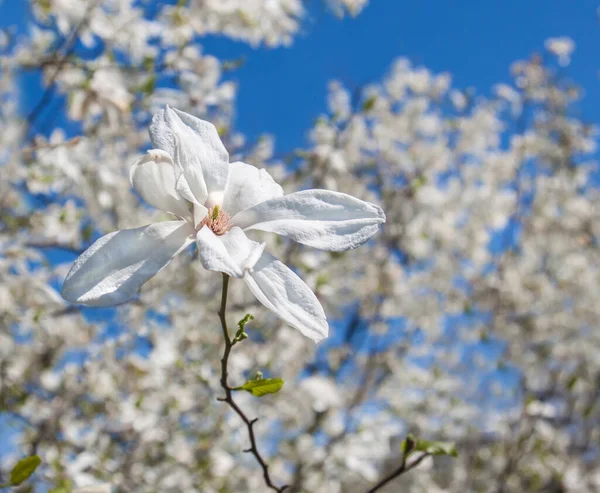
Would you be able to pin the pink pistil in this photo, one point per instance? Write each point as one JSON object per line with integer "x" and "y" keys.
{"x": 217, "y": 220}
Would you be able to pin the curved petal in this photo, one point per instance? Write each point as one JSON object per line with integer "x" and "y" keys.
{"x": 112, "y": 270}
{"x": 232, "y": 253}
{"x": 283, "y": 292}
{"x": 247, "y": 186}
{"x": 154, "y": 178}
{"x": 209, "y": 149}
{"x": 190, "y": 183}
{"x": 322, "y": 219}
{"x": 183, "y": 188}
{"x": 197, "y": 148}
{"x": 199, "y": 214}
{"x": 161, "y": 134}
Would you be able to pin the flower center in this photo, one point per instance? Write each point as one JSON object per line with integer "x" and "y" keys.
{"x": 217, "y": 220}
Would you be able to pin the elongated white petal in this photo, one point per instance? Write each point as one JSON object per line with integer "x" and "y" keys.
{"x": 232, "y": 253}
{"x": 283, "y": 292}
{"x": 192, "y": 179}
{"x": 322, "y": 219}
{"x": 161, "y": 134}
{"x": 183, "y": 188}
{"x": 169, "y": 133}
{"x": 209, "y": 149}
{"x": 248, "y": 186}
{"x": 196, "y": 147}
{"x": 154, "y": 178}
{"x": 112, "y": 270}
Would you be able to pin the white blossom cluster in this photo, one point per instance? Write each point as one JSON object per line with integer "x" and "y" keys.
{"x": 472, "y": 317}
{"x": 352, "y": 7}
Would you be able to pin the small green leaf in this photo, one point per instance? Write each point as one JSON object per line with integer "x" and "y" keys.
{"x": 369, "y": 103}
{"x": 148, "y": 86}
{"x": 417, "y": 183}
{"x": 23, "y": 469}
{"x": 242, "y": 323}
{"x": 178, "y": 18}
{"x": 63, "y": 486}
{"x": 468, "y": 308}
{"x": 322, "y": 280}
{"x": 408, "y": 445}
{"x": 87, "y": 232}
{"x": 436, "y": 448}
{"x": 240, "y": 335}
{"x": 262, "y": 386}
{"x": 45, "y": 5}
{"x": 148, "y": 63}
{"x": 233, "y": 64}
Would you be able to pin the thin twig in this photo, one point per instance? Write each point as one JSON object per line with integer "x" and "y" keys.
{"x": 69, "y": 43}
{"x": 404, "y": 467}
{"x": 229, "y": 392}
{"x": 42, "y": 245}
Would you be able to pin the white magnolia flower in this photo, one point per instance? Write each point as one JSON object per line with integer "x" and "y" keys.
{"x": 215, "y": 203}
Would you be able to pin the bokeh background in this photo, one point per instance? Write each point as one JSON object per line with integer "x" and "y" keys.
{"x": 471, "y": 318}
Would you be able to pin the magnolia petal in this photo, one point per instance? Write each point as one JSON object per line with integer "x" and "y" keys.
{"x": 154, "y": 178}
{"x": 196, "y": 148}
{"x": 200, "y": 213}
{"x": 190, "y": 182}
{"x": 207, "y": 149}
{"x": 232, "y": 253}
{"x": 183, "y": 188}
{"x": 170, "y": 134}
{"x": 283, "y": 292}
{"x": 322, "y": 219}
{"x": 161, "y": 134}
{"x": 248, "y": 186}
{"x": 113, "y": 269}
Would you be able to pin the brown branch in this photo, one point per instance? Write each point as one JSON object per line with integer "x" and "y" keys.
{"x": 42, "y": 245}
{"x": 229, "y": 392}
{"x": 403, "y": 468}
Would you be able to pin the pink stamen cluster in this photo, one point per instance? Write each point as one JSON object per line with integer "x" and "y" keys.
{"x": 217, "y": 220}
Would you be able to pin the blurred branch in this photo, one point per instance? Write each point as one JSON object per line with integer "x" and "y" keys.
{"x": 404, "y": 467}
{"x": 69, "y": 43}
{"x": 54, "y": 244}
{"x": 90, "y": 65}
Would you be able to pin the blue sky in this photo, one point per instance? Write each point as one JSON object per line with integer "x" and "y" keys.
{"x": 283, "y": 90}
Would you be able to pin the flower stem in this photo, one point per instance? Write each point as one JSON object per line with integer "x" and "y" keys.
{"x": 229, "y": 391}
